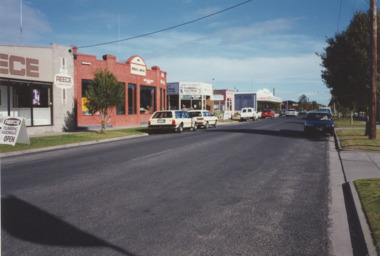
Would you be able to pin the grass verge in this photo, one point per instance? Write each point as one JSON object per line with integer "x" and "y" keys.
{"x": 355, "y": 139}
{"x": 57, "y": 140}
{"x": 369, "y": 193}
{"x": 346, "y": 122}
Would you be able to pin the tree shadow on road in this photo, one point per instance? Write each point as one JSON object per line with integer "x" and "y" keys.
{"x": 279, "y": 133}
{"x": 27, "y": 222}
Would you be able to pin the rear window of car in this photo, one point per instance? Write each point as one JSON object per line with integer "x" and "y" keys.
{"x": 193, "y": 114}
{"x": 267, "y": 110}
{"x": 319, "y": 116}
{"x": 163, "y": 115}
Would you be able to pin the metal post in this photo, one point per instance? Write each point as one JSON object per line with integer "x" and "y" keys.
{"x": 372, "y": 133}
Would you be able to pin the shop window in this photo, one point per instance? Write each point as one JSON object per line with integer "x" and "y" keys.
{"x": 120, "y": 110}
{"x": 161, "y": 98}
{"x": 164, "y": 98}
{"x": 3, "y": 100}
{"x": 85, "y": 85}
{"x": 41, "y": 104}
{"x": 22, "y": 97}
{"x": 229, "y": 104}
{"x": 31, "y": 101}
{"x": 132, "y": 99}
{"x": 147, "y": 99}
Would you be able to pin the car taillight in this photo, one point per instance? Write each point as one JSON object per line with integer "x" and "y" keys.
{"x": 173, "y": 122}
{"x": 148, "y": 123}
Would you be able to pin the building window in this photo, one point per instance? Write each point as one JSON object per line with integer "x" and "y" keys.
{"x": 132, "y": 99}
{"x": 85, "y": 85}
{"x": 147, "y": 99}
{"x": 120, "y": 110}
{"x": 164, "y": 98}
{"x": 229, "y": 104}
{"x": 161, "y": 99}
{"x": 28, "y": 100}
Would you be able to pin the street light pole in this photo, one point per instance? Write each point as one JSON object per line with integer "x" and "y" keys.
{"x": 372, "y": 121}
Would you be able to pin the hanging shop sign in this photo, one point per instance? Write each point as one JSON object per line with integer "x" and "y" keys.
{"x": 13, "y": 130}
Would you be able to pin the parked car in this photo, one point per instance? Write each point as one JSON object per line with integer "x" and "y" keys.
{"x": 282, "y": 112}
{"x": 319, "y": 122}
{"x": 248, "y": 113}
{"x": 203, "y": 118}
{"x": 267, "y": 113}
{"x": 291, "y": 112}
{"x": 302, "y": 112}
{"x": 176, "y": 120}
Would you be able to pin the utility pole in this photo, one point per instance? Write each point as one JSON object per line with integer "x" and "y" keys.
{"x": 372, "y": 120}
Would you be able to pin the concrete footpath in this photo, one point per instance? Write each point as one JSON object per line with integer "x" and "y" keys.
{"x": 349, "y": 230}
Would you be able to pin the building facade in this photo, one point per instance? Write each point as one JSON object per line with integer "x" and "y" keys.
{"x": 36, "y": 83}
{"x": 226, "y": 103}
{"x": 190, "y": 95}
{"x": 145, "y": 89}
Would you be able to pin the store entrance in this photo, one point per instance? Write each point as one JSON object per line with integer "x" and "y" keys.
{"x": 29, "y": 100}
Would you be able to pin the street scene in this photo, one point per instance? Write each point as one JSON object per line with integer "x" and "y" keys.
{"x": 189, "y": 128}
{"x": 252, "y": 188}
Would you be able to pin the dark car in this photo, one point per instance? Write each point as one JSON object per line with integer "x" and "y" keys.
{"x": 319, "y": 122}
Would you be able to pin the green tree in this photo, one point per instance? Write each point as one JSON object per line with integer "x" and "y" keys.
{"x": 303, "y": 102}
{"x": 104, "y": 94}
{"x": 346, "y": 64}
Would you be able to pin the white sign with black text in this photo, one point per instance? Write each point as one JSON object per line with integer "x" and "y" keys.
{"x": 13, "y": 130}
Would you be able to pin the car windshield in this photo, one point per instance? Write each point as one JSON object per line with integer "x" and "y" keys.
{"x": 318, "y": 116}
{"x": 163, "y": 115}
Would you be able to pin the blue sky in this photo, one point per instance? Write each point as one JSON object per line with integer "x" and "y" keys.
{"x": 268, "y": 44}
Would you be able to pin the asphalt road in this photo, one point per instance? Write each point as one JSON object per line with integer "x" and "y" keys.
{"x": 252, "y": 188}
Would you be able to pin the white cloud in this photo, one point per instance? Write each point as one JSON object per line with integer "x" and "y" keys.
{"x": 243, "y": 33}
{"x": 34, "y": 23}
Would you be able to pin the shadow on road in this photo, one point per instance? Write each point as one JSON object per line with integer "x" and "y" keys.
{"x": 278, "y": 133}
{"x": 27, "y": 222}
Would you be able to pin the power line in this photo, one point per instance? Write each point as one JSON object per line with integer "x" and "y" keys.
{"x": 166, "y": 29}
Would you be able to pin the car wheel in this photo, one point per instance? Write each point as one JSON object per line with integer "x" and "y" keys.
{"x": 216, "y": 123}
{"x": 206, "y": 125}
{"x": 180, "y": 128}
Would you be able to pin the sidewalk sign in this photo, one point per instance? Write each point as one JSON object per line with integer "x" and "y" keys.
{"x": 13, "y": 130}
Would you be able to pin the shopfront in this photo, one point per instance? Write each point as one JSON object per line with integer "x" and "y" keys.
{"x": 145, "y": 89}
{"x": 226, "y": 104}
{"x": 266, "y": 100}
{"x": 190, "y": 95}
{"x": 36, "y": 84}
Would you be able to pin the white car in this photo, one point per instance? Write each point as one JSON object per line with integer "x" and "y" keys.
{"x": 176, "y": 120}
{"x": 203, "y": 118}
{"x": 291, "y": 112}
{"x": 248, "y": 113}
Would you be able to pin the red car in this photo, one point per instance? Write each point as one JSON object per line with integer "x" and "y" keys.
{"x": 267, "y": 113}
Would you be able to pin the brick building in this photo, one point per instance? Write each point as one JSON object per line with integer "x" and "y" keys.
{"x": 145, "y": 89}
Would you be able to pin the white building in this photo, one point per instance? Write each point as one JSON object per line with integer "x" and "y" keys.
{"x": 189, "y": 95}
{"x": 37, "y": 84}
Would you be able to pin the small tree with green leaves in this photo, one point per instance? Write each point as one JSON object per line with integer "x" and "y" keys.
{"x": 103, "y": 95}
